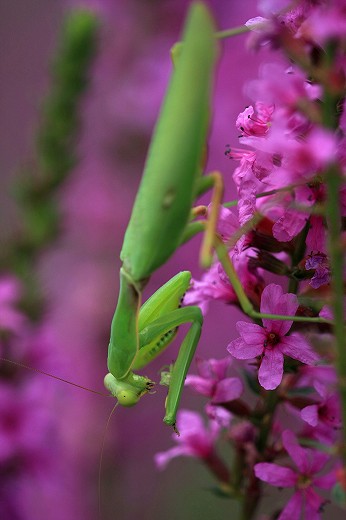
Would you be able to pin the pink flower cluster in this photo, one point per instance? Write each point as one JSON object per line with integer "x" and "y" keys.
{"x": 282, "y": 392}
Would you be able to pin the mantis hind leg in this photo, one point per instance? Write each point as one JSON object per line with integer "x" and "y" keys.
{"x": 213, "y": 181}
{"x": 216, "y": 181}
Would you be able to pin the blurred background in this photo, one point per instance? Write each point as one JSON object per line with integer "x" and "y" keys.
{"x": 52, "y": 433}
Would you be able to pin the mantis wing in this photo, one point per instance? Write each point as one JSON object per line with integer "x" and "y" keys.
{"x": 163, "y": 203}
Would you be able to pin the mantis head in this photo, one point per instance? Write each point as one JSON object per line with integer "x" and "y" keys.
{"x": 127, "y": 391}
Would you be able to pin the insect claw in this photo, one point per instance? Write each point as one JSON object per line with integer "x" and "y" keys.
{"x": 176, "y": 429}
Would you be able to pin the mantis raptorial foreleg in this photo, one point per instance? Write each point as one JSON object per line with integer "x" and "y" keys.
{"x": 158, "y": 320}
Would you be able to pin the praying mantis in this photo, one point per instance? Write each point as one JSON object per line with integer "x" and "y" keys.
{"x": 171, "y": 181}
{"x": 160, "y": 223}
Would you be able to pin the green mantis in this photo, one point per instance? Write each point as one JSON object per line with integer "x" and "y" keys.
{"x": 171, "y": 181}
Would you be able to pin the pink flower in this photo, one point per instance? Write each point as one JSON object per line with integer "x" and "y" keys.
{"x": 195, "y": 439}
{"x": 213, "y": 382}
{"x": 215, "y": 284}
{"x": 309, "y": 463}
{"x": 325, "y": 415}
{"x": 255, "y": 121}
{"x": 270, "y": 341}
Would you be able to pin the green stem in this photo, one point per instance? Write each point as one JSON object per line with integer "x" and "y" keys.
{"x": 228, "y": 33}
{"x": 334, "y": 182}
{"x": 251, "y": 499}
{"x": 271, "y": 401}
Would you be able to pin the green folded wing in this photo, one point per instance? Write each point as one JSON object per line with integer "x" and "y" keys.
{"x": 165, "y": 196}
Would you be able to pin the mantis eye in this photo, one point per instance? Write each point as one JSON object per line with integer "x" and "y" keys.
{"x": 126, "y": 394}
{"x": 127, "y": 397}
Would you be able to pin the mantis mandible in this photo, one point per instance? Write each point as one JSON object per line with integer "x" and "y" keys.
{"x": 161, "y": 213}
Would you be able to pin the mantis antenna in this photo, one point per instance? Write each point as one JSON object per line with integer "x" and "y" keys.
{"x": 51, "y": 375}
{"x": 101, "y": 454}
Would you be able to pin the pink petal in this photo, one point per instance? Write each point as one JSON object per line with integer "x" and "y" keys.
{"x": 228, "y": 223}
{"x": 293, "y": 508}
{"x": 326, "y": 481}
{"x": 203, "y": 368}
{"x": 227, "y": 390}
{"x": 321, "y": 388}
{"x": 219, "y": 415}
{"x": 313, "y": 503}
{"x": 326, "y": 312}
{"x": 297, "y": 347}
{"x": 251, "y": 333}
{"x": 270, "y": 298}
{"x": 275, "y": 475}
{"x": 271, "y": 369}
{"x": 200, "y": 385}
{"x": 162, "y": 458}
{"x": 241, "y": 350}
{"x": 219, "y": 367}
{"x": 273, "y": 301}
{"x": 190, "y": 421}
{"x": 299, "y": 455}
{"x": 289, "y": 225}
{"x": 318, "y": 460}
{"x": 309, "y": 414}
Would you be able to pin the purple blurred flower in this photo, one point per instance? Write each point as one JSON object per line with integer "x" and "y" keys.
{"x": 270, "y": 341}
{"x": 309, "y": 463}
{"x": 24, "y": 417}
{"x": 11, "y": 319}
{"x": 325, "y": 23}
